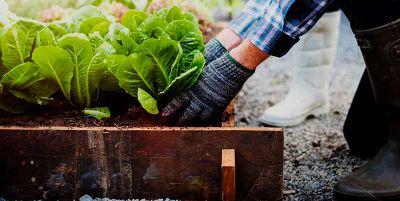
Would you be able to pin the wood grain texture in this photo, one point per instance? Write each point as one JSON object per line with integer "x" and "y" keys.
{"x": 228, "y": 175}
{"x": 181, "y": 163}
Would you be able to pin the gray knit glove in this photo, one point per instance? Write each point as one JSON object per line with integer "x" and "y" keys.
{"x": 220, "y": 82}
{"x": 214, "y": 50}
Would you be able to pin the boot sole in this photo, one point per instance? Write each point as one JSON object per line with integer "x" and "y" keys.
{"x": 337, "y": 196}
{"x": 316, "y": 112}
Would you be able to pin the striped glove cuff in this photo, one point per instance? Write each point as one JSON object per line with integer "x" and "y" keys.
{"x": 214, "y": 50}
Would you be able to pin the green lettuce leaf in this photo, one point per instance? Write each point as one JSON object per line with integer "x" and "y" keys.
{"x": 137, "y": 71}
{"x": 90, "y": 25}
{"x": 110, "y": 81}
{"x": 119, "y": 38}
{"x": 102, "y": 28}
{"x": 154, "y": 27}
{"x": 55, "y": 64}
{"x": 58, "y": 30}
{"x": 89, "y": 67}
{"x": 188, "y": 76}
{"x": 45, "y": 38}
{"x": 175, "y": 13}
{"x": 18, "y": 42}
{"x": 26, "y": 82}
{"x": 165, "y": 53}
{"x": 133, "y": 18}
{"x": 187, "y": 34}
{"x": 21, "y": 77}
{"x": 147, "y": 101}
{"x": 99, "y": 113}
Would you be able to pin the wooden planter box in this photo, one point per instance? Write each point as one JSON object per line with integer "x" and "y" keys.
{"x": 179, "y": 163}
{"x": 62, "y": 163}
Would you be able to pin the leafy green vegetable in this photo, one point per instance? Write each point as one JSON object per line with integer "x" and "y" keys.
{"x": 154, "y": 27}
{"x": 168, "y": 58}
{"x": 187, "y": 34}
{"x": 21, "y": 77}
{"x": 173, "y": 14}
{"x": 89, "y": 67}
{"x": 22, "y": 81}
{"x": 45, "y": 38}
{"x": 118, "y": 37}
{"x": 165, "y": 53}
{"x": 133, "y": 18}
{"x": 55, "y": 64}
{"x": 58, "y": 30}
{"x": 92, "y": 24}
{"x": 147, "y": 101}
{"x": 102, "y": 28}
{"x": 18, "y": 42}
{"x": 188, "y": 75}
{"x": 99, "y": 113}
{"x": 137, "y": 72}
{"x": 110, "y": 81}
{"x": 151, "y": 57}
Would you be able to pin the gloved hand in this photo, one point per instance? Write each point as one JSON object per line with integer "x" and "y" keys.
{"x": 214, "y": 50}
{"x": 220, "y": 82}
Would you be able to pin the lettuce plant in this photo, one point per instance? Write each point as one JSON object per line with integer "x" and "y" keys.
{"x": 151, "y": 57}
{"x": 23, "y": 83}
{"x": 168, "y": 61}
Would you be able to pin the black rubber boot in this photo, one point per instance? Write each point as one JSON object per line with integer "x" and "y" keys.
{"x": 379, "y": 179}
{"x": 366, "y": 128}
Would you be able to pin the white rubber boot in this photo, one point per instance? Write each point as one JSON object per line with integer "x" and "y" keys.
{"x": 314, "y": 58}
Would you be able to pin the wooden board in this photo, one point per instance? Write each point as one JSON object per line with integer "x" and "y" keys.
{"x": 177, "y": 163}
{"x": 228, "y": 175}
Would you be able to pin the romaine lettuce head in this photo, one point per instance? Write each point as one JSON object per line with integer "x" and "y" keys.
{"x": 168, "y": 58}
{"x": 19, "y": 41}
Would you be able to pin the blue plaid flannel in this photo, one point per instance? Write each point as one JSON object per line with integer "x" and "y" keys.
{"x": 274, "y": 26}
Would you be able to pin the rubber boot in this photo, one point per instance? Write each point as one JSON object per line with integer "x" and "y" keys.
{"x": 379, "y": 179}
{"x": 366, "y": 128}
{"x": 314, "y": 59}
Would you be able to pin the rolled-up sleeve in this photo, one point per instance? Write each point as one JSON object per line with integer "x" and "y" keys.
{"x": 248, "y": 19}
{"x": 274, "y": 26}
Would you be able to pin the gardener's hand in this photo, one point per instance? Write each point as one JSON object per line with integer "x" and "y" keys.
{"x": 206, "y": 101}
{"x": 221, "y": 80}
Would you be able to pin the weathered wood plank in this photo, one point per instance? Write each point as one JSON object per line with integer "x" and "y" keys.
{"x": 228, "y": 175}
{"x": 65, "y": 163}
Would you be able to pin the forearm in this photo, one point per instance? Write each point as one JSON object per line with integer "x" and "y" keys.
{"x": 229, "y": 39}
{"x": 244, "y": 52}
{"x": 248, "y": 55}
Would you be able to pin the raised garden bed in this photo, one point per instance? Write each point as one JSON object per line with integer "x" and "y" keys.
{"x": 182, "y": 163}
{"x": 126, "y": 161}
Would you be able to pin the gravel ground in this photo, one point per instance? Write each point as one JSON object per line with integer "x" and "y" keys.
{"x": 316, "y": 154}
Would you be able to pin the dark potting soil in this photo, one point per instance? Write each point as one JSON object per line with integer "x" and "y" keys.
{"x": 126, "y": 112}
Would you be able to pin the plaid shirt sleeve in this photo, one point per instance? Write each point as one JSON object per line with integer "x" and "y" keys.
{"x": 274, "y": 26}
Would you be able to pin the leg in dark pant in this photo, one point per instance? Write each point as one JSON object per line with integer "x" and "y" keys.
{"x": 366, "y": 129}
{"x": 376, "y": 25}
